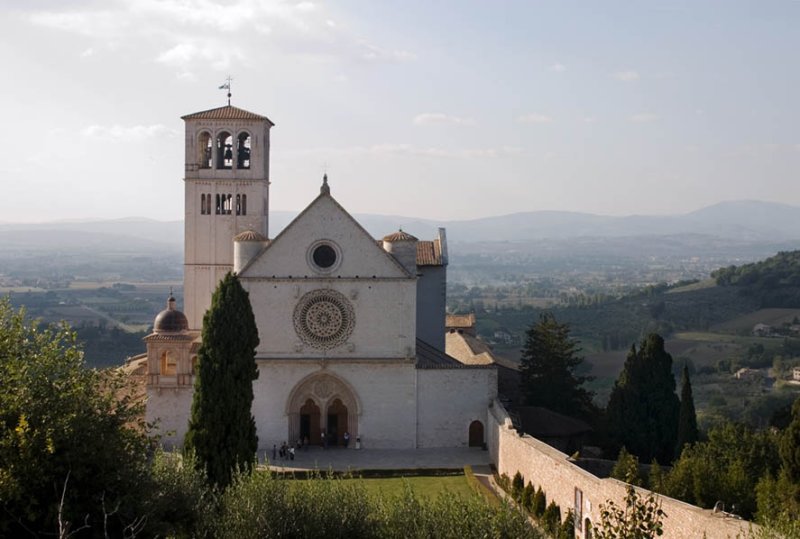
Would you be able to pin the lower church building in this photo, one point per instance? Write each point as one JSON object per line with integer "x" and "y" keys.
{"x": 351, "y": 328}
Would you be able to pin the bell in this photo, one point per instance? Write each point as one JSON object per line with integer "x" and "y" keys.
{"x": 228, "y": 152}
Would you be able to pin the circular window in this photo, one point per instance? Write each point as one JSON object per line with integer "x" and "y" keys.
{"x": 324, "y": 319}
{"x": 324, "y": 256}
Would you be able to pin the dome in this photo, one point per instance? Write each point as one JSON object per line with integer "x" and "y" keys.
{"x": 170, "y": 319}
{"x": 399, "y": 236}
{"x": 249, "y": 235}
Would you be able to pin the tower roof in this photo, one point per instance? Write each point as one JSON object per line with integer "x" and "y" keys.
{"x": 249, "y": 235}
{"x": 170, "y": 319}
{"x": 399, "y": 236}
{"x": 228, "y": 112}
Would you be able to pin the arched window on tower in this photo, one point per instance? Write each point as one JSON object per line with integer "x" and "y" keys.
{"x": 243, "y": 150}
{"x": 219, "y": 205}
{"x": 244, "y": 204}
{"x": 203, "y": 204}
{"x": 224, "y": 150}
{"x": 227, "y": 204}
{"x": 208, "y": 204}
{"x": 238, "y": 204}
{"x": 204, "y": 147}
{"x": 169, "y": 363}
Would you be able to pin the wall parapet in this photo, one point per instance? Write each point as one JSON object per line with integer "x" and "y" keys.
{"x": 564, "y": 482}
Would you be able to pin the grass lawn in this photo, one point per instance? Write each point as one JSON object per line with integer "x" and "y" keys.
{"x": 427, "y": 486}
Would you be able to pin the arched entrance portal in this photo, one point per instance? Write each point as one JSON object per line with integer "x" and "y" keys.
{"x": 476, "y": 434}
{"x": 319, "y": 403}
{"x": 309, "y": 422}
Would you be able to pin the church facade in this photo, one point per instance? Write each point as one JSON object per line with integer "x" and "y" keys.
{"x": 351, "y": 328}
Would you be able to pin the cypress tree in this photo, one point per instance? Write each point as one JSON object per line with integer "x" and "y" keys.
{"x": 547, "y": 370}
{"x": 222, "y": 431}
{"x": 643, "y": 409}
{"x": 687, "y": 420}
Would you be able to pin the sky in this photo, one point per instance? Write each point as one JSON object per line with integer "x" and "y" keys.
{"x": 432, "y": 109}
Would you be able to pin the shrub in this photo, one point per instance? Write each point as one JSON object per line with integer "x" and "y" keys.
{"x": 517, "y": 486}
{"x": 551, "y": 519}
{"x": 527, "y": 496}
{"x": 539, "y": 503}
{"x": 567, "y": 529}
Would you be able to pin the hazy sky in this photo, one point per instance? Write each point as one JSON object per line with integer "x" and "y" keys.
{"x": 433, "y": 109}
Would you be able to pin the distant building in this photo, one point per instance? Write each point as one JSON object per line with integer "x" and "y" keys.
{"x": 762, "y": 330}
{"x": 460, "y": 323}
{"x": 748, "y": 374}
{"x": 796, "y": 374}
{"x": 503, "y": 336}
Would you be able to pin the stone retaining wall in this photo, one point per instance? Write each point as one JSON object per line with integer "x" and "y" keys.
{"x": 560, "y": 478}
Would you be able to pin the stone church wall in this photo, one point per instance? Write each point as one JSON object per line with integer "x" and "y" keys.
{"x": 449, "y": 400}
{"x": 559, "y": 478}
{"x": 170, "y": 409}
{"x": 387, "y": 409}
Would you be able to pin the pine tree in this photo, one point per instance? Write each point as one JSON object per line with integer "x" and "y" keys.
{"x": 643, "y": 409}
{"x": 222, "y": 431}
{"x": 687, "y": 419}
{"x": 549, "y": 360}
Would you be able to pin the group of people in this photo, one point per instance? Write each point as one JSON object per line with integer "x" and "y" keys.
{"x": 288, "y": 451}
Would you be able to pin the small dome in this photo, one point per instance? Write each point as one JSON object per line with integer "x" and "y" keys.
{"x": 399, "y": 236}
{"x": 249, "y": 235}
{"x": 170, "y": 319}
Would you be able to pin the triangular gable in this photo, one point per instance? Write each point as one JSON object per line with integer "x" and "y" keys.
{"x": 324, "y": 219}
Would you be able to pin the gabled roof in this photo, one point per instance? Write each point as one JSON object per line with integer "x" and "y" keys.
{"x": 325, "y": 195}
{"x": 228, "y": 112}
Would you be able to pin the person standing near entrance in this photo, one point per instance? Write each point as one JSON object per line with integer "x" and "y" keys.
{"x": 346, "y": 439}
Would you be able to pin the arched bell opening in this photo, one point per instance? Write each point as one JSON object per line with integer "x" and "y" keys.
{"x": 224, "y": 150}
{"x": 204, "y": 150}
{"x": 243, "y": 150}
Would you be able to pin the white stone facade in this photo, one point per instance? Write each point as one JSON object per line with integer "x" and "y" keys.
{"x": 339, "y": 313}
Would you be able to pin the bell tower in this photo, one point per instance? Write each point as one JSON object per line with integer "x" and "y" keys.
{"x": 226, "y": 193}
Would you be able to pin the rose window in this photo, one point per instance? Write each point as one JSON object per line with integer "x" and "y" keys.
{"x": 324, "y": 319}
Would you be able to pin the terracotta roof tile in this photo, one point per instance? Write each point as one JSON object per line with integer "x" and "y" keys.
{"x": 227, "y": 112}
{"x": 460, "y": 321}
{"x": 249, "y": 235}
{"x": 429, "y": 253}
{"x": 399, "y": 236}
{"x": 429, "y": 357}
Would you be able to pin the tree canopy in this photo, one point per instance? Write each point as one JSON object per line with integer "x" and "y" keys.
{"x": 549, "y": 362}
{"x": 73, "y": 447}
{"x": 643, "y": 409}
{"x": 222, "y": 430}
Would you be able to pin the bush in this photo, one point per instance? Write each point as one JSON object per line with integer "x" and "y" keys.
{"x": 551, "y": 519}
{"x": 504, "y": 482}
{"x": 627, "y": 468}
{"x": 527, "y": 496}
{"x": 539, "y": 503}
{"x": 517, "y": 486}
{"x": 567, "y": 529}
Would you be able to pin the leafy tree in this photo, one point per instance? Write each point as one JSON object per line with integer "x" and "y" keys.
{"x": 73, "y": 447}
{"x": 548, "y": 369}
{"x": 567, "y": 529}
{"x": 643, "y": 409}
{"x": 222, "y": 431}
{"x": 627, "y": 468}
{"x": 527, "y": 497}
{"x": 655, "y": 477}
{"x": 641, "y": 518}
{"x": 790, "y": 445}
{"x": 551, "y": 519}
{"x": 687, "y": 419}
{"x": 725, "y": 468}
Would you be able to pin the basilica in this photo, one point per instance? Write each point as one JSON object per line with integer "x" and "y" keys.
{"x": 351, "y": 327}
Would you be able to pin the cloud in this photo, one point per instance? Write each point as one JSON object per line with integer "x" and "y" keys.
{"x": 190, "y": 33}
{"x": 628, "y": 75}
{"x": 439, "y": 118}
{"x": 131, "y": 133}
{"x": 643, "y": 117}
{"x": 408, "y": 149}
{"x": 534, "y": 118}
{"x": 558, "y": 68}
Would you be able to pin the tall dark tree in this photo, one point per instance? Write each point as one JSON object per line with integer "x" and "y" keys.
{"x": 549, "y": 361}
{"x": 222, "y": 431}
{"x": 643, "y": 409}
{"x": 687, "y": 418}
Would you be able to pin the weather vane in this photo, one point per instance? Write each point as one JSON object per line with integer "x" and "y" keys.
{"x": 227, "y": 86}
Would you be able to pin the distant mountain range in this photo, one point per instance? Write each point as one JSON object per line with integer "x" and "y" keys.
{"x": 739, "y": 221}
